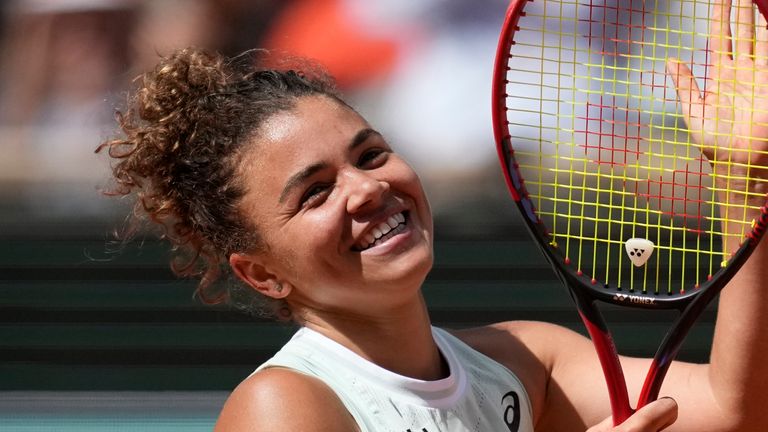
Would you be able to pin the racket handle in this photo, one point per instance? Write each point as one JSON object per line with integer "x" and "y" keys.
{"x": 609, "y": 361}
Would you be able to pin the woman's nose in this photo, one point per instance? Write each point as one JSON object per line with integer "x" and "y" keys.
{"x": 364, "y": 191}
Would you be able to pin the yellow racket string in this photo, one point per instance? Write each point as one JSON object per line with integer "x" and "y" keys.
{"x": 601, "y": 140}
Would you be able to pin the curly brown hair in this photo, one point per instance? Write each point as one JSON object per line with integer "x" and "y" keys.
{"x": 184, "y": 132}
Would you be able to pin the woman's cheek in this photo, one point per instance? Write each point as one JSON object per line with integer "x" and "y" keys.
{"x": 324, "y": 228}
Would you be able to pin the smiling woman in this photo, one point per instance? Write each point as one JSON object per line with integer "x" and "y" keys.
{"x": 265, "y": 173}
{"x": 320, "y": 195}
{"x": 269, "y": 174}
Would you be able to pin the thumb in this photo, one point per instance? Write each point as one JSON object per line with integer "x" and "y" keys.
{"x": 687, "y": 91}
{"x": 692, "y": 102}
{"x": 655, "y": 416}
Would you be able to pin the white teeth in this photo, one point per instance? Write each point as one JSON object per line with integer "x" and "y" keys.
{"x": 377, "y": 231}
{"x": 384, "y": 230}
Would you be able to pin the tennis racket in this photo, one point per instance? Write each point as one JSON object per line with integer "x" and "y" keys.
{"x": 619, "y": 180}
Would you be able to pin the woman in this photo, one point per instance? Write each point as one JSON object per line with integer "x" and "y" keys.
{"x": 270, "y": 174}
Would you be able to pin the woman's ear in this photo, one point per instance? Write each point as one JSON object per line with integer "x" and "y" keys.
{"x": 250, "y": 270}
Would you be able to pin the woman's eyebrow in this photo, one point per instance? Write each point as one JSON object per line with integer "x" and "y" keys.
{"x": 298, "y": 178}
{"x": 361, "y": 137}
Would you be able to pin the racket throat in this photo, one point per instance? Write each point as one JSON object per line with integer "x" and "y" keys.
{"x": 609, "y": 361}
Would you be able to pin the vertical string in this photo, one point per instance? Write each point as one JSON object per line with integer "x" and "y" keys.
{"x": 583, "y": 171}
{"x": 649, "y": 215}
{"x": 573, "y": 145}
{"x": 641, "y": 68}
{"x": 713, "y": 203}
{"x": 601, "y": 146}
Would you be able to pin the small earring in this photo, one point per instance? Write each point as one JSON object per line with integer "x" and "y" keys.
{"x": 284, "y": 313}
{"x": 278, "y": 287}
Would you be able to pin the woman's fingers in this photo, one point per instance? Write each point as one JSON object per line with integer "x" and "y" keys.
{"x": 744, "y": 43}
{"x": 761, "y": 41}
{"x": 654, "y": 417}
{"x": 688, "y": 92}
{"x": 720, "y": 30}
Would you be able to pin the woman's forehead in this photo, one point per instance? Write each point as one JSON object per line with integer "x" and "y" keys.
{"x": 313, "y": 120}
{"x": 314, "y": 128}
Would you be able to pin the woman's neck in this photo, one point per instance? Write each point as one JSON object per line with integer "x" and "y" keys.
{"x": 400, "y": 342}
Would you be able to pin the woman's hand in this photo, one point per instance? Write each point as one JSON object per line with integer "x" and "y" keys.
{"x": 654, "y": 417}
{"x": 729, "y": 120}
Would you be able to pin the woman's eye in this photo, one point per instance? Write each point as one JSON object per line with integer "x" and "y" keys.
{"x": 314, "y": 195}
{"x": 372, "y": 158}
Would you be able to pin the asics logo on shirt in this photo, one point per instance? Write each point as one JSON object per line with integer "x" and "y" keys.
{"x": 511, "y": 404}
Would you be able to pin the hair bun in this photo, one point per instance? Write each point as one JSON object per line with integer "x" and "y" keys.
{"x": 178, "y": 81}
{"x": 185, "y": 133}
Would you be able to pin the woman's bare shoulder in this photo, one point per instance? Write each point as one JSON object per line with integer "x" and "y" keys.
{"x": 525, "y": 339}
{"x": 279, "y": 399}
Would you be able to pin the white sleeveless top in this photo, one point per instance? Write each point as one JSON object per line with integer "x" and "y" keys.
{"x": 479, "y": 395}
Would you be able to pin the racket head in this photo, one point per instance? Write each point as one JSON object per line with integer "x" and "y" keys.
{"x": 596, "y": 154}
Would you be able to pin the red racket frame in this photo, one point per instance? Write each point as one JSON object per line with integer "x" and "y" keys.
{"x": 583, "y": 289}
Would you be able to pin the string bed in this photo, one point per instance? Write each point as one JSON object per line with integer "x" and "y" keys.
{"x": 600, "y": 139}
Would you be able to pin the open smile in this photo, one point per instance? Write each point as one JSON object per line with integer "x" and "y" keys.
{"x": 382, "y": 232}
